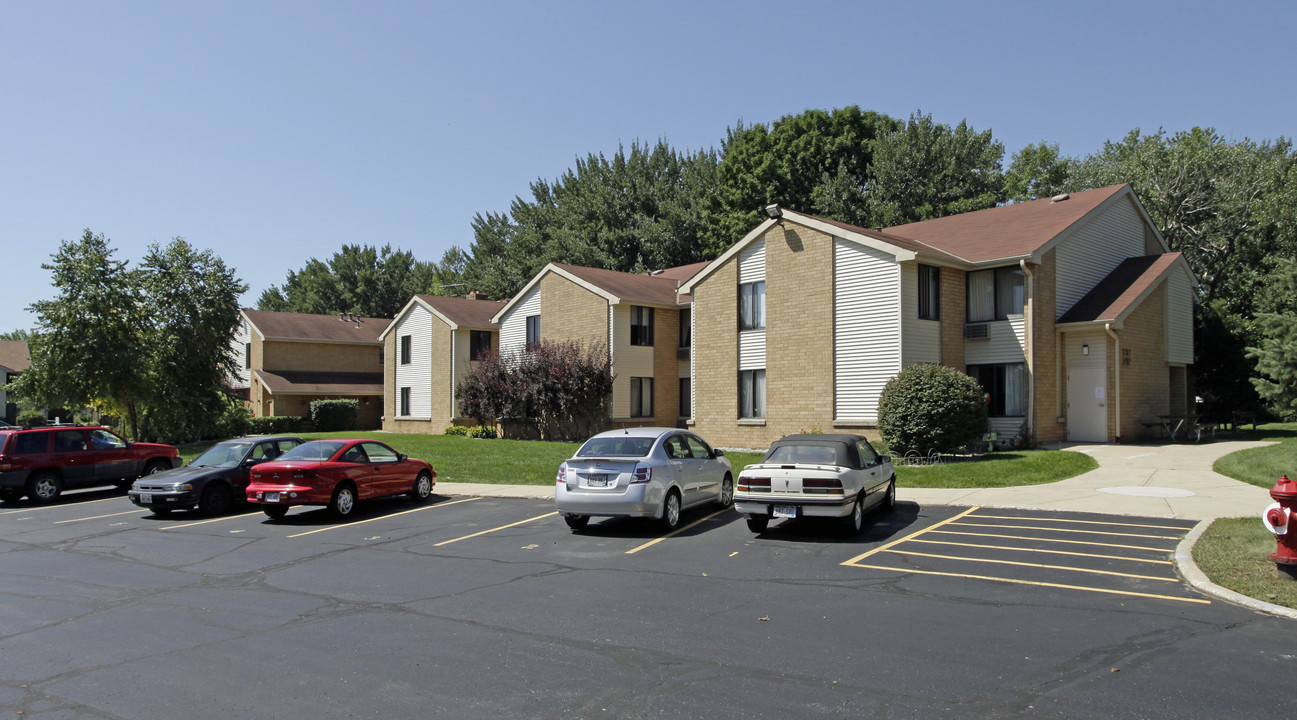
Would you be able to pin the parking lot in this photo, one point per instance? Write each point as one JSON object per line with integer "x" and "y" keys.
{"x": 476, "y": 607}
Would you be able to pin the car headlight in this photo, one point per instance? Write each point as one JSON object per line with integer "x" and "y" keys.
{"x": 179, "y": 487}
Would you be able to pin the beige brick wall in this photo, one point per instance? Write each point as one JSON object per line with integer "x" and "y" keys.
{"x": 440, "y": 411}
{"x": 1141, "y": 360}
{"x": 389, "y": 383}
{"x": 321, "y": 357}
{"x": 954, "y": 304}
{"x": 570, "y": 312}
{"x": 666, "y": 368}
{"x": 1046, "y": 349}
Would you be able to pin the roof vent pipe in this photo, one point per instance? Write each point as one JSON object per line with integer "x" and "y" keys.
{"x": 1059, "y": 198}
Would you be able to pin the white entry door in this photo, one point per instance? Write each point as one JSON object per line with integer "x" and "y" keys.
{"x": 1087, "y": 405}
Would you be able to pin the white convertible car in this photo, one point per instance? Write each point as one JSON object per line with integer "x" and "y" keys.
{"x": 816, "y": 475}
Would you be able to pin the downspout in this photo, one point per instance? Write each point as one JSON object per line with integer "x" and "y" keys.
{"x": 1029, "y": 330}
{"x": 1116, "y": 368}
{"x": 452, "y": 376}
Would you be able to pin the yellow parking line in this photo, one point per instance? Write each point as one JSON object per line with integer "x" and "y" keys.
{"x": 1083, "y": 522}
{"x": 1042, "y": 550}
{"x": 911, "y": 536}
{"x": 1054, "y": 540}
{"x": 502, "y": 527}
{"x": 1034, "y": 565}
{"x": 383, "y": 517}
{"x": 96, "y": 517}
{"x": 1036, "y": 583}
{"x": 53, "y": 507}
{"x": 1067, "y": 530}
{"x": 673, "y": 533}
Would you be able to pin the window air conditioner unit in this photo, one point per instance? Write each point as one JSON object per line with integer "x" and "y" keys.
{"x": 977, "y": 331}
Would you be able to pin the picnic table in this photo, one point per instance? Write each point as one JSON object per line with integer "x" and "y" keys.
{"x": 1177, "y": 426}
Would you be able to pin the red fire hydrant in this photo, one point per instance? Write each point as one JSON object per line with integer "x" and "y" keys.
{"x": 1280, "y": 518}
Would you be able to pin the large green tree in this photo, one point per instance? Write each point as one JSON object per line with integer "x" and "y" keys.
{"x": 1276, "y": 353}
{"x": 360, "y": 279}
{"x": 1037, "y": 170}
{"x": 150, "y": 344}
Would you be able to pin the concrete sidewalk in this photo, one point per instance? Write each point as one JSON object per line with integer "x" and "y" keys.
{"x": 1170, "y": 481}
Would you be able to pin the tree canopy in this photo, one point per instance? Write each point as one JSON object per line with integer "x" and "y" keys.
{"x": 357, "y": 279}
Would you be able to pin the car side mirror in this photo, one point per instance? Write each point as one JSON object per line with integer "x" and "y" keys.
{"x": 718, "y": 453}
{"x": 402, "y": 457}
{"x": 884, "y": 459}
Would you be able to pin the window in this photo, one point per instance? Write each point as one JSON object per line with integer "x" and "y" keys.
{"x": 752, "y": 306}
{"x": 479, "y": 343}
{"x": 752, "y": 393}
{"x": 641, "y": 397}
{"x": 533, "y": 330}
{"x": 381, "y": 356}
{"x": 405, "y": 401}
{"x": 247, "y": 356}
{"x": 641, "y": 325}
{"x": 685, "y": 397}
{"x": 380, "y": 453}
{"x": 405, "y": 349}
{"x": 929, "y": 293}
{"x": 994, "y": 294}
{"x": 1005, "y": 387}
{"x": 686, "y": 331}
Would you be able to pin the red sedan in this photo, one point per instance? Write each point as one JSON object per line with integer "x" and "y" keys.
{"x": 337, "y": 473}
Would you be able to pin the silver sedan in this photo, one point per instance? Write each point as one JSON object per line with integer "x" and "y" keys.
{"x": 642, "y": 472}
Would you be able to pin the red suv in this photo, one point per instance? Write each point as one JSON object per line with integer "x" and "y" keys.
{"x": 41, "y": 462}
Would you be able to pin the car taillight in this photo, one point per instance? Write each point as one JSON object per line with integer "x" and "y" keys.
{"x": 562, "y": 474}
{"x": 304, "y": 474}
{"x": 643, "y": 473}
{"x": 822, "y": 486}
{"x": 753, "y": 484}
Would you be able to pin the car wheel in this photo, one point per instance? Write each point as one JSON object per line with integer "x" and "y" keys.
{"x": 160, "y": 512}
{"x": 155, "y": 466}
{"x": 422, "y": 487}
{"x": 44, "y": 487}
{"x": 344, "y": 500}
{"x": 275, "y": 512}
{"x": 855, "y": 522}
{"x": 889, "y": 500}
{"x": 215, "y": 500}
{"x": 727, "y": 493}
{"x": 576, "y": 522}
{"x": 758, "y": 523}
{"x": 671, "y": 510}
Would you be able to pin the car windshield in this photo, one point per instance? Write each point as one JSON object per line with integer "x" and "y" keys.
{"x": 222, "y": 455}
{"x": 813, "y": 454}
{"x": 318, "y": 450}
{"x": 616, "y": 446}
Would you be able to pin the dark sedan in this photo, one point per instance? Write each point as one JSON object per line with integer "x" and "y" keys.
{"x": 213, "y": 481}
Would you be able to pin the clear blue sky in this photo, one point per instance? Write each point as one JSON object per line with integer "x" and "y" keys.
{"x": 272, "y": 132}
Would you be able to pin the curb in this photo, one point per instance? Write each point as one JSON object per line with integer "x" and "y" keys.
{"x": 1195, "y": 577}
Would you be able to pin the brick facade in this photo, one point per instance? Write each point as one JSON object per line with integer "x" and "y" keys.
{"x": 1145, "y": 389}
{"x": 571, "y": 312}
{"x": 1044, "y": 351}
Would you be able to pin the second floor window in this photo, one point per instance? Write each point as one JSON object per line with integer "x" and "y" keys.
{"x": 479, "y": 343}
{"x": 686, "y": 329}
{"x": 641, "y": 325}
{"x": 995, "y": 294}
{"x": 533, "y": 330}
{"x": 752, "y": 306}
{"x": 406, "y": 344}
{"x": 247, "y": 356}
{"x": 929, "y": 293}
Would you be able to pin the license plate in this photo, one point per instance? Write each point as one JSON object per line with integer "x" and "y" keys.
{"x": 272, "y": 497}
{"x": 785, "y": 511}
{"x": 146, "y": 499}
{"x": 597, "y": 481}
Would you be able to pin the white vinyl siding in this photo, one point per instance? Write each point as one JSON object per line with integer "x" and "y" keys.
{"x": 1007, "y": 343}
{"x": 920, "y": 339}
{"x": 1179, "y": 319}
{"x": 513, "y": 326}
{"x": 240, "y": 347}
{"x": 752, "y": 262}
{"x": 866, "y": 327}
{"x": 1095, "y": 249}
{"x": 417, "y": 374}
{"x": 630, "y": 361}
{"x": 752, "y": 343}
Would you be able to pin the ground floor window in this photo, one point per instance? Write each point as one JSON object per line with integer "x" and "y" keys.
{"x": 641, "y": 397}
{"x": 752, "y": 393}
{"x": 1005, "y": 388}
{"x": 405, "y": 401}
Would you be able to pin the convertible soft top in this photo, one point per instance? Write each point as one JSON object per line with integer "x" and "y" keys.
{"x": 816, "y": 448}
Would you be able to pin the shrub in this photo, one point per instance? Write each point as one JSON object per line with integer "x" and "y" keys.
{"x": 482, "y": 431}
{"x": 31, "y": 418}
{"x": 456, "y": 430}
{"x": 275, "y": 425}
{"x": 235, "y": 421}
{"x": 334, "y": 415}
{"x": 931, "y": 408}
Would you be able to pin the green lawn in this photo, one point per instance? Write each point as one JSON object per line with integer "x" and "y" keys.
{"x": 1263, "y": 466}
{"x": 526, "y": 462}
{"x": 1235, "y": 553}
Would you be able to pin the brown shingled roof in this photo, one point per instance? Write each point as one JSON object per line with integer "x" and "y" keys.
{"x": 1008, "y": 231}
{"x": 300, "y": 326}
{"x": 628, "y": 286}
{"x": 287, "y": 382}
{"x": 464, "y": 311}
{"x": 15, "y": 355}
{"x": 1120, "y": 291}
